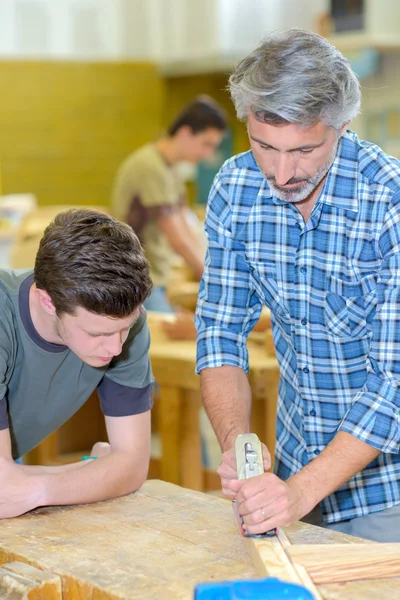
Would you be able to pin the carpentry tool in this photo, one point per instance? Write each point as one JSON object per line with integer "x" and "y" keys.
{"x": 262, "y": 589}
{"x": 249, "y": 463}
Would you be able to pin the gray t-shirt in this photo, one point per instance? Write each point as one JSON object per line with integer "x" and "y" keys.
{"x": 43, "y": 384}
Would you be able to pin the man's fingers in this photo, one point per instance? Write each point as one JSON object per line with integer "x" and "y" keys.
{"x": 226, "y": 472}
{"x": 228, "y": 493}
{"x": 264, "y": 526}
{"x": 266, "y": 457}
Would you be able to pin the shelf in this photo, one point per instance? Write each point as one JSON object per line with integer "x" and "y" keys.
{"x": 347, "y": 43}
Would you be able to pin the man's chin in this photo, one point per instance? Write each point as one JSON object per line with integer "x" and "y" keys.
{"x": 96, "y": 361}
{"x": 293, "y": 195}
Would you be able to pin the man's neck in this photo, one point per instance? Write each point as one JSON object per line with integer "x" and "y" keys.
{"x": 168, "y": 149}
{"x": 42, "y": 322}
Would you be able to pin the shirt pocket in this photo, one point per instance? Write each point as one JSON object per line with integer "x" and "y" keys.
{"x": 349, "y": 306}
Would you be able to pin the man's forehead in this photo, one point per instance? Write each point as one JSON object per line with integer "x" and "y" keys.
{"x": 92, "y": 320}
{"x": 287, "y": 136}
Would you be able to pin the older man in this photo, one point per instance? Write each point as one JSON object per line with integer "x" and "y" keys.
{"x": 307, "y": 223}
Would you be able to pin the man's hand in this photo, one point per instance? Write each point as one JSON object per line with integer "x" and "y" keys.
{"x": 19, "y": 492}
{"x": 228, "y": 470}
{"x": 266, "y": 502}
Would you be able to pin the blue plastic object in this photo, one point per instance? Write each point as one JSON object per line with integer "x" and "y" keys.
{"x": 256, "y": 589}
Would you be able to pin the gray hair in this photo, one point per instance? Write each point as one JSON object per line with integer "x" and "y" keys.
{"x": 296, "y": 77}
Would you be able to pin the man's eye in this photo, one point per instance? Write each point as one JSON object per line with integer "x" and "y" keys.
{"x": 306, "y": 151}
{"x": 265, "y": 147}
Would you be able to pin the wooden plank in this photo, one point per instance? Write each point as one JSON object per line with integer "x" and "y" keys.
{"x": 329, "y": 564}
{"x": 271, "y": 560}
{"x": 157, "y": 543}
{"x": 20, "y": 581}
{"x": 302, "y": 573}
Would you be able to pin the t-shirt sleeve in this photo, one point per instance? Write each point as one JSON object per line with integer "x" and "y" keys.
{"x": 4, "y": 363}
{"x": 126, "y": 388}
{"x": 3, "y": 414}
{"x": 158, "y": 185}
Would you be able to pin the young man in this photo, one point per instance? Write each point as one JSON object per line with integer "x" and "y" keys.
{"x": 73, "y": 325}
{"x": 307, "y": 223}
{"x": 149, "y": 193}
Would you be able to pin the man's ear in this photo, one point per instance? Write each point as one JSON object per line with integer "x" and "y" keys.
{"x": 185, "y": 132}
{"x": 46, "y": 302}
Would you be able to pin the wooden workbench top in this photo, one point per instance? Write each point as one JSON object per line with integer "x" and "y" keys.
{"x": 155, "y": 544}
{"x": 174, "y": 361}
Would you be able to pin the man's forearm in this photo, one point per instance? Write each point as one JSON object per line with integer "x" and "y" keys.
{"x": 52, "y": 470}
{"x": 227, "y": 400}
{"x": 342, "y": 458}
{"x": 108, "y": 477}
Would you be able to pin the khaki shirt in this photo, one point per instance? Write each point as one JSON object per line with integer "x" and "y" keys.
{"x": 147, "y": 188}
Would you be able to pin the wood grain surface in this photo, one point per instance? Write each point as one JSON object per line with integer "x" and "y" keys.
{"x": 155, "y": 544}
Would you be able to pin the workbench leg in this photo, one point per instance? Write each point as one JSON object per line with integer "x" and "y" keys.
{"x": 257, "y": 416}
{"x": 170, "y": 432}
{"x": 191, "y": 456}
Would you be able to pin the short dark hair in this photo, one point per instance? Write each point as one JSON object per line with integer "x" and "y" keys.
{"x": 89, "y": 259}
{"x": 200, "y": 114}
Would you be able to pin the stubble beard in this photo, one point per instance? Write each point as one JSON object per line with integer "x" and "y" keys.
{"x": 305, "y": 188}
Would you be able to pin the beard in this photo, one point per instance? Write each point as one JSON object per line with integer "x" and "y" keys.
{"x": 305, "y": 187}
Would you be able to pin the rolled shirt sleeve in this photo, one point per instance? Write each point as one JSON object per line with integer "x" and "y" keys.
{"x": 228, "y": 306}
{"x": 374, "y": 416}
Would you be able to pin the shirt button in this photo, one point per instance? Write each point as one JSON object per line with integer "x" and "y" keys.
{"x": 312, "y": 413}
{"x": 303, "y": 269}
{"x": 317, "y": 451}
{"x": 306, "y": 370}
{"x": 298, "y": 225}
{"x": 304, "y": 321}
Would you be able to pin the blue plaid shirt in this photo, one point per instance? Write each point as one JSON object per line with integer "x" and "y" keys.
{"x": 333, "y": 288}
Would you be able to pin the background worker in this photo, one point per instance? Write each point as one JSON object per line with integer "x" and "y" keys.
{"x": 307, "y": 223}
{"x": 73, "y": 325}
{"x": 149, "y": 193}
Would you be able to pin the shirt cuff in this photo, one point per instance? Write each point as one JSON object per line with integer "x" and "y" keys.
{"x": 374, "y": 417}
{"x": 216, "y": 348}
{"x": 121, "y": 401}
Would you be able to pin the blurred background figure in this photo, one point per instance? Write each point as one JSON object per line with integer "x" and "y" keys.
{"x": 149, "y": 194}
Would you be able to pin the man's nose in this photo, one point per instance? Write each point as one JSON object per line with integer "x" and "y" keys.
{"x": 113, "y": 344}
{"x": 285, "y": 168}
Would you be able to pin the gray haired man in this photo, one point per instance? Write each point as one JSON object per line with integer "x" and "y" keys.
{"x": 308, "y": 224}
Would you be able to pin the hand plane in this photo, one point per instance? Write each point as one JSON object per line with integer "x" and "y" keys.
{"x": 249, "y": 462}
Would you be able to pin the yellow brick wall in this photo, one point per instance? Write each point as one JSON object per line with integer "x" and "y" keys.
{"x": 65, "y": 127}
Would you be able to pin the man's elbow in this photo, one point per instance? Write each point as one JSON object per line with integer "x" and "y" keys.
{"x": 133, "y": 478}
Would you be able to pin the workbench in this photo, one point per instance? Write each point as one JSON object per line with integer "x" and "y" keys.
{"x": 155, "y": 544}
